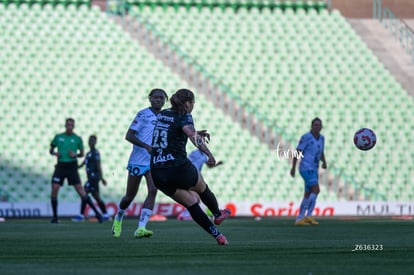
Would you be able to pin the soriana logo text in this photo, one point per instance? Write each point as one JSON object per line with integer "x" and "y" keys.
{"x": 269, "y": 210}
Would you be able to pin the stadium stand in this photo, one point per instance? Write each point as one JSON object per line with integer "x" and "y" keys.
{"x": 63, "y": 60}
{"x": 329, "y": 72}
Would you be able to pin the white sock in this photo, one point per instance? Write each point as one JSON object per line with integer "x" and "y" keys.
{"x": 302, "y": 209}
{"x": 145, "y": 216}
{"x": 120, "y": 214}
{"x": 312, "y": 203}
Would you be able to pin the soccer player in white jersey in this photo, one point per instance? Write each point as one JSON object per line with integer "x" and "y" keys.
{"x": 311, "y": 146}
{"x": 140, "y": 135}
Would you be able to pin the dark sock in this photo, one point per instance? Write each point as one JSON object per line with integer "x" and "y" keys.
{"x": 88, "y": 200}
{"x": 83, "y": 206}
{"x": 54, "y": 202}
{"x": 102, "y": 206}
{"x": 201, "y": 219}
{"x": 209, "y": 199}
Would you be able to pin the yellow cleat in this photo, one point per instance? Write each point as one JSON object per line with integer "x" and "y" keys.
{"x": 116, "y": 228}
{"x": 142, "y": 232}
{"x": 311, "y": 220}
{"x": 302, "y": 222}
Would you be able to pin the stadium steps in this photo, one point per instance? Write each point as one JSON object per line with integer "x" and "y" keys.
{"x": 409, "y": 22}
{"x": 388, "y": 49}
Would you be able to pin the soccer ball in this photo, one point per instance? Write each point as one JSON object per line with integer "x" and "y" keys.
{"x": 365, "y": 139}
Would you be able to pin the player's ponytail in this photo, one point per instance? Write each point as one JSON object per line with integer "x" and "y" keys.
{"x": 180, "y": 98}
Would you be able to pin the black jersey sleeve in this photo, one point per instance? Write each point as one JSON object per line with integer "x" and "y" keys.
{"x": 186, "y": 119}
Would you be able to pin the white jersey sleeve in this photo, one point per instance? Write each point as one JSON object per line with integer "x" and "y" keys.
{"x": 198, "y": 159}
{"x": 143, "y": 125}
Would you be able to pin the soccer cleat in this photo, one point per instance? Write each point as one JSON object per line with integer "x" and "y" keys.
{"x": 79, "y": 218}
{"x": 302, "y": 222}
{"x": 142, "y": 232}
{"x": 311, "y": 220}
{"x": 54, "y": 220}
{"x": 221, "y": 240}
{"x": 116, "y": 228}
{"x": 224, "y": 215}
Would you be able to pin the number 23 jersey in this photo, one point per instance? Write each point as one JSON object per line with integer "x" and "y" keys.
{"x": 169, "y": 141}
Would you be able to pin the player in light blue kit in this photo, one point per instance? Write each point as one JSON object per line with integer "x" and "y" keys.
{"x": 140, "y": 135}
{"x": 311, "y": 146}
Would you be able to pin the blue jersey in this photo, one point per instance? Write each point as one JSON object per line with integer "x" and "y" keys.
{"x": 312, "y": 149}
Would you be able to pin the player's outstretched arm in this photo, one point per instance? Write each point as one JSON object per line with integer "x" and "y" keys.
{"x": 199, "y": 142}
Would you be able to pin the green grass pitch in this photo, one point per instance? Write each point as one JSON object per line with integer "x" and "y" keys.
{"x": 269, "y": 246}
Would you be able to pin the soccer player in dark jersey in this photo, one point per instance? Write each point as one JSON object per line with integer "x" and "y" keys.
{"x": 94, "y": 174}
{"x": 68, "y": 145}
{"x": 172, "y": 171}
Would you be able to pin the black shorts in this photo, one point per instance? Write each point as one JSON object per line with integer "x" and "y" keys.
{"x": 66, "y": 170}
{"x": 168, "y": 180}
{"x": 92, "y": 185}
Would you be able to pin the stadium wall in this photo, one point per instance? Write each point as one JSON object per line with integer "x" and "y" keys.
{"x": 239, "y": 209}
{"x": 363, "y": 8}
